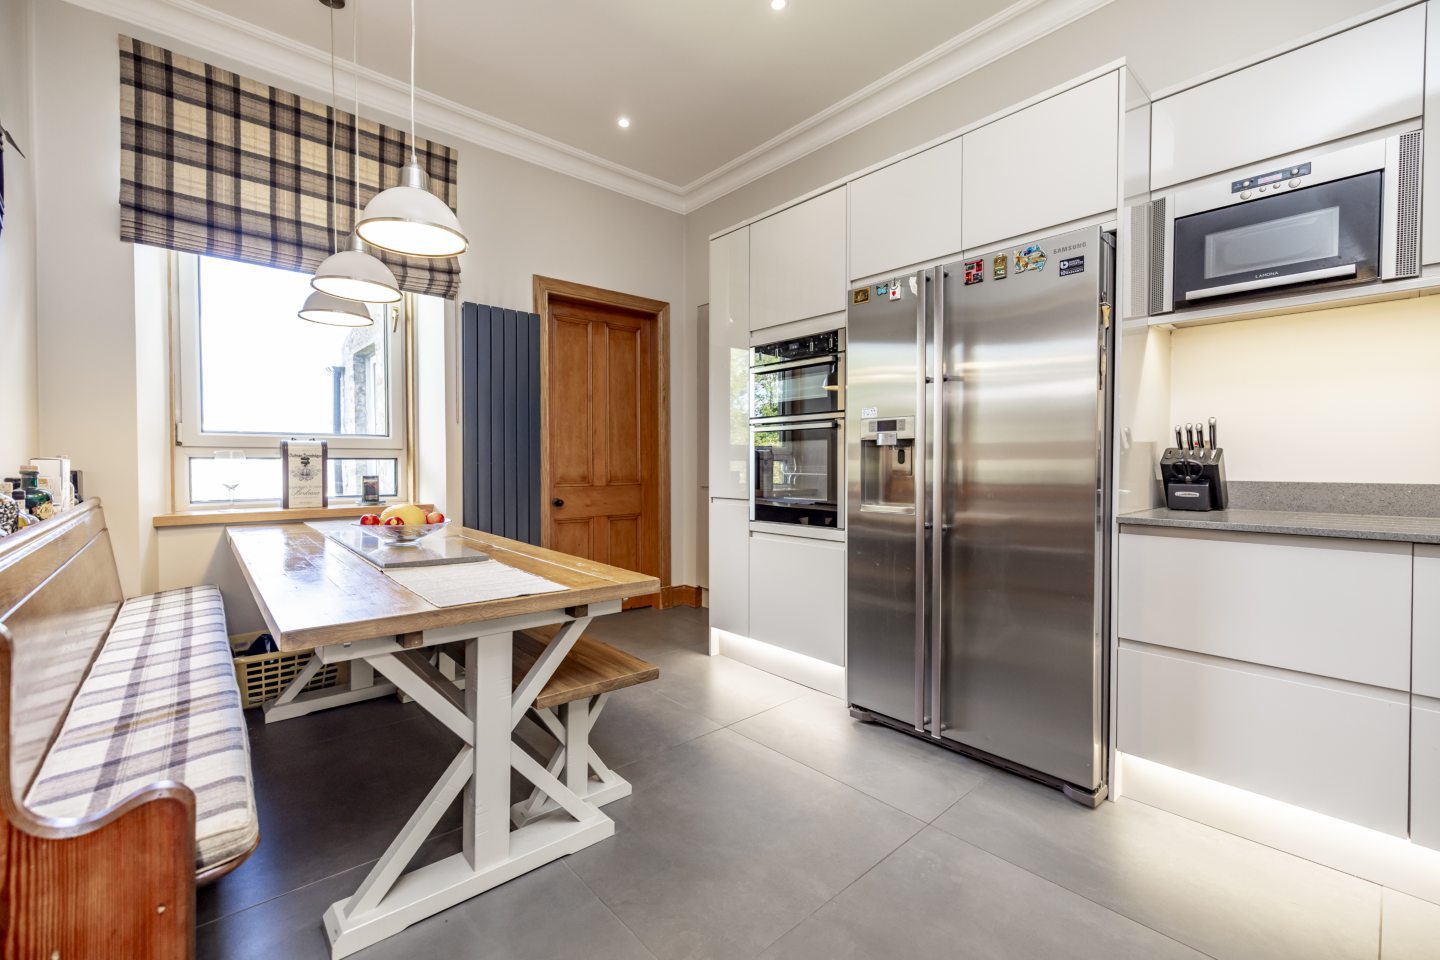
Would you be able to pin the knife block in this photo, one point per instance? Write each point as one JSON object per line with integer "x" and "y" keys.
{"x": 1188, "y": 472}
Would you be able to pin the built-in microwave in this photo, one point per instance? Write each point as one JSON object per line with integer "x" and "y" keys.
{"x": 799, "y": 377}
{"x": 1347, "y": 216}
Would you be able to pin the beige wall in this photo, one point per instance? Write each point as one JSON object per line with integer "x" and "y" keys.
{"x": 1347, "y": 395}
{"x": 18, "y": 397}
{"x": 522, "y": 220}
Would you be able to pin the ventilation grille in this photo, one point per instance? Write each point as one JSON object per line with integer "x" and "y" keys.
{"x": 1157, "y": 255}
{"x": 1137, "y": 296}
{"x": 1407, "y": 221}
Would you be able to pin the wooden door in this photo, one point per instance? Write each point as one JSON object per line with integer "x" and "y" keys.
{"x": 602, "y": 393}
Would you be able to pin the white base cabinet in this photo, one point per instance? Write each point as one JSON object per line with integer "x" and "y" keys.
{"x": 797, "y": 595}
{"x": 1425, "y": 772}
{"x": 729, "y": 558}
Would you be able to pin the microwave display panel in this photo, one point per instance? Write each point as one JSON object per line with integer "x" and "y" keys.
{"x": 1328, "y": 233}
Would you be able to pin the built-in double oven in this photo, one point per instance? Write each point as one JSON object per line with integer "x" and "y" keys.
{"x": 797, "y": 430}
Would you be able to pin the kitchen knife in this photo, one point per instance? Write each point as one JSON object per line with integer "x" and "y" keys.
{"x": 1189, "y": 437}
{"x": 1179, "y": 438}
{"x": 1212, "y": 433}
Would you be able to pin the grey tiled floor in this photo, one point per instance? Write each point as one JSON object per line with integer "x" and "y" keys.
{"x": 766, "y": 823}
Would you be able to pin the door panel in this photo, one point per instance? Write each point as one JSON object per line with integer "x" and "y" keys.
{"x": 1020, "y": 649}
{"x": 603, "y": 437}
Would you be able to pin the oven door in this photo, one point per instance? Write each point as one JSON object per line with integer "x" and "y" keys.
{"x": 1325, "y": 234}
{"x": 814, "y": 386}
{"x": 797, "y": 469}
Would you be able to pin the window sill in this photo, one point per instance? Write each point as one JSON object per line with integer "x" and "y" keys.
{"x": 201, "y": 518}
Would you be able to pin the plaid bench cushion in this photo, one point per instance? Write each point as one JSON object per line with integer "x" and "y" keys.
{"x": 159, "y": 703}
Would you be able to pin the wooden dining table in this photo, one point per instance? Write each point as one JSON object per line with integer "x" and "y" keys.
{"x": 318, "y": 595}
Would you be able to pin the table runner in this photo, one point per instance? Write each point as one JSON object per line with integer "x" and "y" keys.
{"x": 453, "y": 584}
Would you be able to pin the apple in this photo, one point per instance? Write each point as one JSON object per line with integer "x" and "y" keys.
{"x": 369, "y": 520}
{"x": 395, "y": 522}
{"x": 435, "y": 517}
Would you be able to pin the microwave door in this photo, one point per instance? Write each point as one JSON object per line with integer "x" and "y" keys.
{"x": 1328, "y": 233}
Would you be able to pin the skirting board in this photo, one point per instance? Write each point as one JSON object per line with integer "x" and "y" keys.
{"x": 679, "y": 596}
{"x": 815, "y": 674}
{"x": 1369, "y": 854}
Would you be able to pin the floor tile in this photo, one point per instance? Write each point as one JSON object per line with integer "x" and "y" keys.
{"x": 548, "y": 913}
{"x": 650, "y": 633}
{"x": 720, "y": 688}
{"x": 725, "y": 845}
{"x": 322, "y": 725}
{"x": 1225, "y": 896}
{"x": 940, "y": 897}
{"x": 1411, "y": 929}
{"x": 917, "y": 777}
{"x": 318, "y": 809}
{"x": 640, "y": 722}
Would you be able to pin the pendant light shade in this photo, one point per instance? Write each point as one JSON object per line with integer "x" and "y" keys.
{"x": 411, "y": 220}
{"x": 355, "y": 275}
{"x": 334, "y": 311}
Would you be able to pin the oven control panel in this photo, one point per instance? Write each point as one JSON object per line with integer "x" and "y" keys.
{"x": 1272, "y": 179}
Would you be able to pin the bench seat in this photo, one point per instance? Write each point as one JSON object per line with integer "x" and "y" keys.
{"x": 591, "y": 668}
{"x": 159, "y": 703}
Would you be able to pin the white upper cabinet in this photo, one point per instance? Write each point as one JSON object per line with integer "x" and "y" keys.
{"x": 797, "y": 262}
{"x": 1048, "y": 164}
{"x": 906, "y": 213}
{"x": 1354, "y": 81}
{"x": 729, "y": 365}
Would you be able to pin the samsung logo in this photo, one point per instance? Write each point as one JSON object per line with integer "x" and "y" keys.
{"x": 1068, "y": 247}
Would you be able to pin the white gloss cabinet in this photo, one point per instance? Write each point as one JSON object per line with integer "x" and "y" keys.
{"x": 729, "y": 365}
{"x": 797, "y": 595}
{"x": 797, "y": 262}
{"x": 906, "y": 213}
{"x": 1426, "y": 669}
{"x": 729, "y": 559}
{"x": 1425, "y": 772}
{"x": 1051, "y": 163}
{"x": 1329, "y": 607}
{"x": 1359, "y": 80}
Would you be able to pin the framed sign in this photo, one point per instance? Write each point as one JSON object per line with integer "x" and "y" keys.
{"x": 304, "y": 462}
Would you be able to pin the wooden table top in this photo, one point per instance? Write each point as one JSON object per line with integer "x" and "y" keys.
{"x": 314, "y": 592}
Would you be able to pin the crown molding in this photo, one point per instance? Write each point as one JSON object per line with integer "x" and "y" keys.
{"x": 1008, "y": 30}
{"x": 211, "y": 32}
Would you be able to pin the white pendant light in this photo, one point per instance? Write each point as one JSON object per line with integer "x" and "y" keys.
{"x": 354, "y": 274}
{"x": 409, "y": 219}
{"x": 335, "y": 311}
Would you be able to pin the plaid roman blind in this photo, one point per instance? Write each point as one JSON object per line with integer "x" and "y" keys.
{"x": 213, "y": 163}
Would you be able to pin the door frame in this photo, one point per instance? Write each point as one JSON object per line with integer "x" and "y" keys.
{"x": 659, "y": 312}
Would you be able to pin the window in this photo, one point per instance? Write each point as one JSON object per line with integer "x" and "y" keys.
{"x": 250, "y": 373}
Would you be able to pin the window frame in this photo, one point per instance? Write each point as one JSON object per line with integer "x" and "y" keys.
{"x": 191, "y": 442}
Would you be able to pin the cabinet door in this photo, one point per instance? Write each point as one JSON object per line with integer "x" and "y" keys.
{"x": 730, "y": 566}
{"x": 906, "y": 213}
{"x": 1355, "y": 81}
{"x": 1048, "y": 164}
{"x": 1329, "y": 607}
{"x": 1425, "y": 772}
{"x": 1425, "y": 675}
{"x": 729, "y": 436}
{"x": 797, "y": 595}
{"x": 797, "y": 262}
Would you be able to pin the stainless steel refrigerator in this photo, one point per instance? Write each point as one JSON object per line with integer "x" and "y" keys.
{"x": 978, "y": 499}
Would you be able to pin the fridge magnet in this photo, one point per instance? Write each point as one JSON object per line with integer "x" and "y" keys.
{"x": 1029, "y": 258}
{"x": 974, "y": 271}
{"x": 1072, "y": 265}
{"x": 304, "y": 464}
{"x": 998, "y": 267}
{"x": 860, "y": 296}
{"x": 895, "y": 290}
{"x": 882, "y": 289}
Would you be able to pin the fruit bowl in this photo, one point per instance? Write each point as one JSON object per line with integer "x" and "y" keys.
{"x": 400, "y": 534}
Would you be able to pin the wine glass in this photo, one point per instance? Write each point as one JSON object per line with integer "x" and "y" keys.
{"x": 230, "y": 465}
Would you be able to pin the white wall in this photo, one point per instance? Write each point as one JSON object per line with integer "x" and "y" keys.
{"x": 1346, "y": 395}
{"x": 18, "y": 399}
{"x": 522, "y": 220}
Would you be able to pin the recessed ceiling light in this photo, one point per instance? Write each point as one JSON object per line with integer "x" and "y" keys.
{"x": 624, "y": 122}
{"x": 778, "y": 4}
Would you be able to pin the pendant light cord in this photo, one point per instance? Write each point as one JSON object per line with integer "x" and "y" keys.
{"x": 355, "y": 60}
{"x": 334, "y": 131}
{"x": 413, "y": 155}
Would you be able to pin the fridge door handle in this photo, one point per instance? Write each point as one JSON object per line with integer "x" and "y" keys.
{"x": 937, "y": 506}
{"x": 921, "y": 322}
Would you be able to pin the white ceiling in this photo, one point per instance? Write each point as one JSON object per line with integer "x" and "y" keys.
{"x": 704, "y": 81}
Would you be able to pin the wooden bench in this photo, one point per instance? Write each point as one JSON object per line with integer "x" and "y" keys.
{"x": 579, "y": 690}
{"x": 123, "y": 754}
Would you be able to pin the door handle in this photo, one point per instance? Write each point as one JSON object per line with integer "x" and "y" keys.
{"x": 557, "y": 502}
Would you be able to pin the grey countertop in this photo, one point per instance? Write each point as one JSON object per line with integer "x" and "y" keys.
{"x": 1296, "y": 523}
